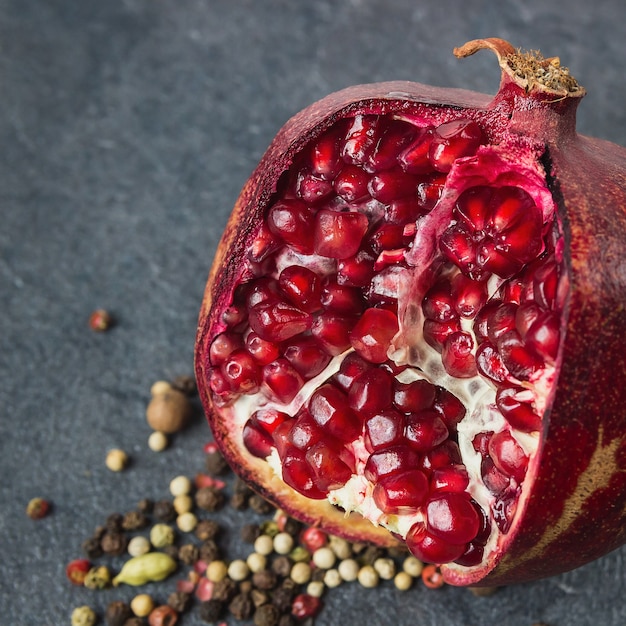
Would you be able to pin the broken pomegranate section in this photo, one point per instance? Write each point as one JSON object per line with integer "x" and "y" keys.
{"x": 401, "y": 329}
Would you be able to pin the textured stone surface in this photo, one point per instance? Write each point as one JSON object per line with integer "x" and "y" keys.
{"x": 127, "y": 129}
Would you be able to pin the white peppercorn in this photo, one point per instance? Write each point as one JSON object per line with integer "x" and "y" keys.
{"x": 332, "y": 578}
{"x": 348, "y": 570}
{"x": 180, "y": 486}
{"x": 385, "y": 567}
{"x": 138, "y": 545}
{"x": 186, "y": 522}
{"x": 315, "y": 588}
{"x": 158, "y": 441}
{"x": 412, "y": 566}
{"x": 183, "y": 504}
{"x": 142, "y": 605}
{"x": 368, "y": 577}
{"x": 256, "y": 562}
{"x": 238, "y": 570}
{"x": 403, "y": 581}
{"x": 83, "y": 616}
{"x": 216, "y": 571}
{"x": 300, "y": 573}
{"x": 283, "y": 543}
{"x": 116, "y": 460}
{"x": 264, "y": 544}
{"x": 340, "y": 547}
{"x": 159, "y": 387}
{"x": 324, "y": 558}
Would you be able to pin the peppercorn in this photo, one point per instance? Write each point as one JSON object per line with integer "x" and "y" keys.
{"x": 300, "y": 573}
{"x": 265, "y": 579}
{"x": 183, "y": 503}
{"x": 348, "y": 570}
{"x": 158, "y": 441}
{"x": 168, "y": 411}
{"x": 241, "y": 606}
{"x": 210, "y": 498}
{"x": 259, "y": 597}
{"x": 209, "y": 551}
{"x": 385, "y": 567}
{"x": 317, "y": 574}
{"x": 266, "y": 615}
{"x": 163, "y": 615}
{"x": 211, "y": 610}
{"x": 84, "y": 616}
{"x": 37, "y": 508}
{"x": 114, "y": 543}
{"x": 138, "y": 545}
{"x": 117, "y": 613}
{"x": 216, "y": 571}
{"x": 256, "y": 562}
{"x": 305, "y": 605}
{"x": 292, "y": 526}
{"x": 185, "y": 384}
{"x": 370, "y": 555}
{"x": 238, "y": 570}
{"x": 100, "y": 320}
{"x": 91, "y": 547}
{"x": 225, "y": 589}
{"x": 239, "y": 501}
{"x": 332, "y": 578}
{"x": 135, "y": 621}
{"x": 260, "y": 505}
{"x": 141, "y": 605}
{"x": 206, "y": 529}
{"x": 368, "y": 576}
{"x": 113, "y": 522}
{"x": 145, "y": 505}
{"x": 188, "y": 553}
{"x": 282, "y": 565}
{"x": 282, "y": 597}
{"x": 316, "y": 588}
{"x": 240, "y": 486}
{"x": 116, "y": 460}
{"x": 162, "y": 535}
{"x": 164, "y": 511}
{"x": 98, "y": 577}
{"x": 412, "y": 566}
{"x": 215, "y": 463}
{"x": 179, "y": 601}
{"x": 403, "y": 581}
{"x": 287, "y": 620}
{"x": 134, "y": 520}
{"x": 249, "y": 533}
{"x": 76, "y": 570}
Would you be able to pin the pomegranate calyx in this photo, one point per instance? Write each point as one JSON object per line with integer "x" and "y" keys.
{"x": 530, "y": 70}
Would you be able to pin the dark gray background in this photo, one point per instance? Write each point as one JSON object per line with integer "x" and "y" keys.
{"x": 127, "y": 128}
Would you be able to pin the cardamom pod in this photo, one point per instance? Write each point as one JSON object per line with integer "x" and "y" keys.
{"x": 145, "y": 568}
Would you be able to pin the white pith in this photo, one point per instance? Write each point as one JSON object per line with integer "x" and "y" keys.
{"x": 421, "y": 361}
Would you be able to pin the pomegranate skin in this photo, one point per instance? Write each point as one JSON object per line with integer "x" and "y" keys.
{"x": 574, "y": 509}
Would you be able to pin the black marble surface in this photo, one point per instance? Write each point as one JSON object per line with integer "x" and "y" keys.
{"x": 127, "y": 128}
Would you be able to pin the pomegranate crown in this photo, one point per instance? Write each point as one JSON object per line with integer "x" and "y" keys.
{"x": 530, "y": 70}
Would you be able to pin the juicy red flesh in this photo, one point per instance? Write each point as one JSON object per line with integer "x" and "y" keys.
{"x": 327, "y": 295}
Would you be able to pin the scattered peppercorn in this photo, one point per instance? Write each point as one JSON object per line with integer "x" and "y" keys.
{"x": 116, "y": 460}
{"x": 209, "y": 551}
{"x": 164, "y": 511}
{"x": 249, "y": 533}
{"x": 113, "y": 522}
{"x": 91, "y": 547}
{"x": 241, "y": 606}
{"x": 162, "y": 535}
{"x": 239, "y": 501}
{"x": 37, "y": 508}
{"x": 265, "y": 579}
{"x": 142, "y": 604}
{"x": 149, "y": 567}
{"x": 225, "y": 589}
{"x": 179, "y": 601}
{"x": 134, "y": 520}
{"x": 100, "y": 320}
{"x": 117, "y": 613}
{"x": 287, "y": 620}
{"x": 185, "y": 384}
{"x": 210, "y": 498}
{"x": 145, "y": 505}
{"x": 158, "y": 441}
{"x": 98, "y": 577}
{"x": 282, "y": 565}
{"x": 163, "y": 615}
{"x": 84, "y": 616}
{"x": 305, "y": 605}
{"x": 282, "y": 597}
{"x": 260, "y": 505}
{"x": 188, "y": 553}
{"x": 76, "y": 570}
{"x": 215, "y": 463}
{"x": 266, "y": 615}
{"x": 206, "y": 529}
{"x": 114, "y": 543}
{"x": 135, "y": 621}
{"x": 169, "y": 410}
{"x": 211, "y": 611}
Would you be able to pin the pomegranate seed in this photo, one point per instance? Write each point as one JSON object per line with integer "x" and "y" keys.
{"x": 504, "y": 509}
{"x": 282, "y": 380}
{"x": 457, "y": 356}
{"x": 262, "y": 351}
{"x": 402, "y": 211}
{"x": 414, "y": 159}
{"x": 515, "y": 404}
{"x": 351, "y": 184}
{"x": 508, "y": 455}
{"x": 311, "y": 188}
{"x": 387, "y": 237}
{"x": 306, "y": 356}
{"x": 543, "y": 337}
{"x": 330, "y": 470}
{"x": 451, "y": 409}
{"x": 341, "y": 299}
{"x": 257, "y": 441}
{"x": 489, "y": 363}
{"x": 517, "y": 358}
{"x": 241, "y": 372}
{"x": 302, "y": 286}
{"x": 338, "y": 235}
{"x": 481, "y": 321}
{"x": 303, "y": 431}
{"x": 501, "y": 321}
{"x": 453, "y": 518}
{"x": 262, "y": 290}
{"x": 330, "y": 410}
{"x": 384, "y": 429}
{"x": 372, "y": 391}
{"x": 425, "y": 430}
{"x": 223, "y": 346}
{"x": 430, "y": 548}
{"x": 429, "y": 192}
{"x": 401, "y": 493}
{"x": 218, "y": 383}
{"x": 473, "y": 555}
{"x": 361, "y": 139}
{"x": 278, "y": 321}
{"x": 526, "y": 316}
{"x": 414, "y": 396}
{"x": 438, "y": 303}
{"x": 395, "y": 137}
{"x": 351, "y": 368}
{"x": 264, "y": 245}
{"x": 391, "y": 184}
{"x": 356, "y": 271}
{"x": 325, "y": 158}
{"x": 469, "y": 296}
{"x": 494, "y": 479}
{"x": 453, "y": 478}
{"x": 447, "y": 453}
{"x": 333, "y": 332}
{"x": 452, "y": 141}
{"x": 436, "y": 333}
{"x": 269, "y": 419}
{"x": 292, "y": 221}
{"x": 299, "y": 475}
{"x": 480, "y": 442}
{"x": 372, "y": 335}
{"x": 234, "y": 315}
{"x": 545, "y": 281}
{"x": 392, "y": 460}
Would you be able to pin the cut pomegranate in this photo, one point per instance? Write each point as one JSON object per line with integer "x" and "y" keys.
{"x": 413, "y": 330}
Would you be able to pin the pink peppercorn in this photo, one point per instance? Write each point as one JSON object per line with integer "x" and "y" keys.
{"x": 305, "y": 605}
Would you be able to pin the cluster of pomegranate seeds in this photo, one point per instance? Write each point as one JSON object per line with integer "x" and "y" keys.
{"x": 359, "y": 398}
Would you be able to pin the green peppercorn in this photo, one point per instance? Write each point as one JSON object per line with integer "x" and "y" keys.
{"x": 84, "y": 616}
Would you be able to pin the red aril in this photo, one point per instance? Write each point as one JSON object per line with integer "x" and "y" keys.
{"x": 413, "y": 330}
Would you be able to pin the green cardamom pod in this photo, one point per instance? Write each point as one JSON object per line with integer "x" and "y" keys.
{"x": 145, "y": 568}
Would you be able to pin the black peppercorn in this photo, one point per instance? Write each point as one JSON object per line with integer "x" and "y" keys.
{"x": 209, "y": 551}
{"x": 117, "y": 613}
{"x": 250, "y": 533}
{"x": 239, "y": 486}
{"x": 211, "y": 611}
{"x": 266, "y": 615}
{"x": 113, "y": 543}
{"x": 135, "y": 621}
{"x": 215, "y": 463}
{"x": 286, "y": 619}
{"x": 207, "y": 529}
{"x": 259, "y": 597}
{"x": 225, "y": 590}
{"x": 293, "y": 527}
{"x": 282, "y": 565}
{"x": 188, "y": 553}
{"x": 239, "y": 501}
{"x": 164, "y": 511}
{"x": 260, "y": 505}
{"x": 210, "y": 498}
{"x": 145, "y": 506}
{"x": 91, "y": 547}
{"x": 186, "y": 385}
{"x": 134, "y": 520}
{"x": 283, "y": 596}
{"x": 264, "y": 579}
{"x": 241, "y": 606}
{"x": 179, "y": 601}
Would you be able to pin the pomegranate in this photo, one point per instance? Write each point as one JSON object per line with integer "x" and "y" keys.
{"x": 413, "y": 330}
